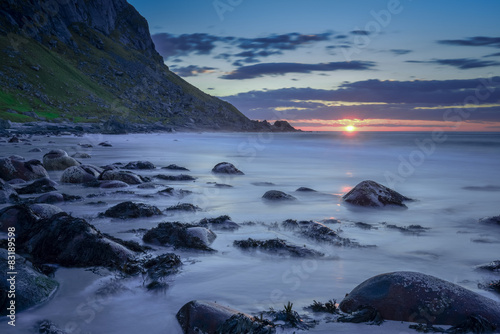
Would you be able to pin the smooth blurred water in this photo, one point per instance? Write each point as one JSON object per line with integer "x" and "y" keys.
{"x": 330, "y": 163}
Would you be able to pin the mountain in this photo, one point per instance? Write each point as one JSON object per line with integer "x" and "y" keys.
{"x": 95, "y": 61}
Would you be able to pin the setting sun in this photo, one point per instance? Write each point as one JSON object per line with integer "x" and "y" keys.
{"x": 350, "y": 128}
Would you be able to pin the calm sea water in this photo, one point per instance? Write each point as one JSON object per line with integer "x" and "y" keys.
{"x": 452, "y": 178}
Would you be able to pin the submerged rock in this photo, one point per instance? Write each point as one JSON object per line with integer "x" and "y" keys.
{"x": 81, "y": 174}
{"x": 179, "y": 236}
{"x": 81, "y": 155}
{"x": 200, "y": 316}
{"x": 31, "y": 287}
{"x": 58, "y": 160}
{"x": 162, "y": 265}
{"x": 373, "y": 194}
{"x": 130, "y": 209}
{"x": 226, "y": 168}
{"x": 493, "y": 266}
{"x": 50, "y": 198}
{"x": 121, "y": 175}
{"x": 276, "y": 195}
{"x": 175, "y": 167}
{"x": 306, "y": 190}
{"x": 187, "y": 207}
{"x": 318, "y": 231}
{"x": 139, "y": 165}
{"x": 180, "y": 177}
{"x": 16, "y": 167}
{"x": 7, "y": 193}
{"x": 40, "y": 186}
{"x": 71, "y": 242}
{"x": 495, "y": 220}
{"x": 113, "y": 184}
{"x": 277, "y": 247}
{"x": 219, "y": 223}
{"x": 416, "y": 297}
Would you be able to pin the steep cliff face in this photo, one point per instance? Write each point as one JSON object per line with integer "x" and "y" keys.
{"x": 91, "y": 60}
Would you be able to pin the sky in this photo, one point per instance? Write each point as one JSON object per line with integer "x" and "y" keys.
{"x": 323, "y": 65}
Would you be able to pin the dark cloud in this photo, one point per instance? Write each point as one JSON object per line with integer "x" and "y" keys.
{"x": 460, "y": 63}
{"x": 493, "y": 55}
{"x": 169, "y": 45}
{"x": 192, "y": 70}
{"x": 289, "y": 41}
{"x": 360, "y": 32}
{"x": 400, "y": 98}
{"x": 259, "y": 70}
{"x": 400, "y": 52}
{"x": 473, "y": 41}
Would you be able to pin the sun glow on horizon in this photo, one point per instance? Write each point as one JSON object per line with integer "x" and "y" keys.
{"x": 350, "y": 128}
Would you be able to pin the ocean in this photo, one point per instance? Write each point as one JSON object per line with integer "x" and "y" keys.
{"x": 452, "y": 177}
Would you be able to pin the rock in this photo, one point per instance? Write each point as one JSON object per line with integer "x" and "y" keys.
{"x": 17, "y": 216}
{"x": 48, "y": 327}
{"x": 14, "y": 139}
{"x": 175, "y": 167}
{"x": 120, "y": 175}
{"x": 219, "y": 223}
{"x": 85, "y": 145}
{"x": 71, "y": 242}
{"x": 31, "y": 287}
{"x": 305, "y": 189}
{"x": 493, "y": 266}
{"x": 5, "y": 124}
{"x": 263, "y": 184}
{"x": 113, "y": 184}
{"x": 283, "y": 126}
{"x": 50, "y": 198}
{"x": 373, "y": 194}
{"x": 188, "y": 207}
{"x": 40, "y": 186}
{"x": 317, "y": 231}
{"x": 105, "y": 144}
{"x": 139, "y": 165}
{"x": 226, "y": 168}
{"x": 490, "y": 220}
{"x": 45, "y": 210}
{"x": 35, "y": 150}
{"x": 205, "y": 235}
{"x": 16, "y": 168}
{"x": 58, "y": 160}
{"x": 7, "y": 193}
{"x": 180, "y": 177}
{"x": 126, "y": 210}
{"x": 203, "y": 317}
{"x": 177, "y": 235}
{"x": 276, "y": 195}
{"x": 416, "y": 297}
{"x": 81, "y": 155}
{"x": 81, "y": 174}
{"x": 162, "y": 265}
{"x": 276, "y": 247}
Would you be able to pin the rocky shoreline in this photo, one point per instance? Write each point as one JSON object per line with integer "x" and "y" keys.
{"x": 48, "y": 238}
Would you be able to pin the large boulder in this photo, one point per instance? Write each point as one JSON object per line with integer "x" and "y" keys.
{"x": 40, "y": 186}
{"x": 226, "y": 168}
{"x": 180, "y": 235}
{"x": 81, "y": 174}
{"x": 139, "y": 165}
{"x": 129, "y": 209}
{"x": 7, "y": 193}
{"x": 276, "y": 195}
{"x": 71, "y": 242}
{"x": 31, "y": 288}
{"x": 121, "y": 175}
{"x": 416, "y": 297}
{"x": 58, "y": 160}
{"x": 372, "y": 194}
{"x": 16, "y": 167}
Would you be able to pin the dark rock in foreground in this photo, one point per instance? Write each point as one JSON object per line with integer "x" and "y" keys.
{"x": 71, "y": 242}
{"x": 139, "y": 165}
{"x": 129, "y": 209}
{"x": 277, "y": 247}
{"x": 416, "y": 297}
{"x": 31, "y": 287}
{"x": 200, "y": 316}
{"x": 276, "y": 195}
{"x": 490, "y": 220}
{"x": 180, "y": 236}
{"x": 373, "y": 194}
{"x": 16, "y": 167}
{"x": 219, "y": 223}
{"x": 226, "y": 168}
{"x": 58, "y": 160}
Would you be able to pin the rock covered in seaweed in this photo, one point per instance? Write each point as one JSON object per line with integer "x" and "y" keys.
{"x": 32, "y": 287}
{"x": 226, "y": 168}
{"x": 372, "y": 194}
{"x": 276, "y": 247}
{"x": 417, "y": 297}
{"x": 180, "y": 235}
{"x": 219, "y": 223}
{"x": 276, "y": 195}
{"x": 130, "y": 209}
{"x": 318, "y": 231}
